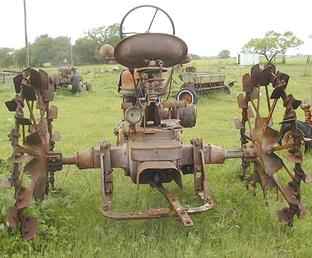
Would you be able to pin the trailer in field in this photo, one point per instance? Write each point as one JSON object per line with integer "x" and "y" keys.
{"x": 197, "y": 83}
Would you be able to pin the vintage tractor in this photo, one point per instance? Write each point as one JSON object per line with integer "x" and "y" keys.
{"x": 149, "y": 145}
{"x": 65, "y": 77}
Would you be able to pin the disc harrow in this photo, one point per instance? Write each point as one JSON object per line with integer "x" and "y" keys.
{"x": 260, "y": 135}
{"x": 31, "y": 140}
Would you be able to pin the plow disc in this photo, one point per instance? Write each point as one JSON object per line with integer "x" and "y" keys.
{"x": 31, "y": 141}
{"x": 269, "y": 143}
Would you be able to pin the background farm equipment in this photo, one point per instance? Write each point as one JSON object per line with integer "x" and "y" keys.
{"x": 149, "y": 146}
{"x": 197, "y": 83}
{"x": 65, "y": 77}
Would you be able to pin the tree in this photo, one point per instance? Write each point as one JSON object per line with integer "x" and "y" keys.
{"x": 46, "y": 49}
{"x": 225, "y": 53}
{"x": 266, "y": 46}
{"x": 61, "y": 50}
{"x": 20, "y": 57}
{"x": 50, "y": 50}
{"x": 42, "y": 50}
{"x": 84, "y": 51}
{"x": 6, "y": 57}
{"x": 105, "y": 35}
{"x": 273, "y": 44}
{"x": 286, "y": 41}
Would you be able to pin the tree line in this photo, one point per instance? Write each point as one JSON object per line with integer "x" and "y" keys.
{"x": 85, "y": 50}
{"x": 57, "y": 51}
{"x": 271, "y": 45}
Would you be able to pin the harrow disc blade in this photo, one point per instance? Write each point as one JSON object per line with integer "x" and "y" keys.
{"x": 28, "y": 93}
{"x": 265, "y": 180}
{"x": 39, "y": 174}
{"x": 247, "y": 83}
{"x": 286, "y": 216}
{"x": 278, "y": 92}
{"x": 269, "y": 139}
{"x": 29, "y": 227}
{"x": 281, "y": 80}
{"x": 11, "y": 105}
{"x": 271, "y": 163}
{"x": 17, "y": 83}
{"x": 259, "y": 76}
{"x": 296, "y": 103}
{"x": 301, "y": 174}
{"x": 36, "y": 78}
{"x": 241, "y": 101}
{"x": 33, "y": 139}
{"x": 290, "y": 195}
{"x": 258, "y": 130}
{"x": 24, "y": 197}
{"x": 12, "y": 220}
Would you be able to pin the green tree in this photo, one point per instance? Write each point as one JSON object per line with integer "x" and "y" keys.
{"x": 20, "y": 57}
{"x": 46, "y": 49}
{"x": 6, "y": 57}
{"x": 61, "y": 50}
{"x": 266, "y": 46}
{"x": 273, "y": 44}
{"x": 84, "y": 51}
{"x": 105, "y": 35}
{"x": 225, "y": 53}
{"x": 42, "y": 50}
{"x": 288, "y": 40}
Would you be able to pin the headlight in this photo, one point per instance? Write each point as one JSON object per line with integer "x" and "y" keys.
{"x": 133, "y": 115}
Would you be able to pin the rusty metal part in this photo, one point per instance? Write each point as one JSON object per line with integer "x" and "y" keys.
{"x": 133, "y": 51}
{"x": 31, "y": 143}
{"x": 307, "y": 113}
{"x": 156, "y": 9}
{"x": 261, "y": 143}
{"x": 151, "y": 164}
{"x": 176, "y": 206}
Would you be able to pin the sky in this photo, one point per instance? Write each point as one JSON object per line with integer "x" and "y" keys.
{"x": 206, "y": 26}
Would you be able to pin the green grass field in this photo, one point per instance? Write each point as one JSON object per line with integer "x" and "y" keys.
{"x": 71, "y": 225}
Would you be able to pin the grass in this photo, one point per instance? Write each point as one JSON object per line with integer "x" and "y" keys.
{"x": 70, "y": 222}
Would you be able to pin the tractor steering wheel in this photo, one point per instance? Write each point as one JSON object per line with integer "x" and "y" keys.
{"x": 156, "y": 9}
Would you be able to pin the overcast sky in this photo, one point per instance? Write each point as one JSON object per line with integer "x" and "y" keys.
{"x": 207, "y": 26}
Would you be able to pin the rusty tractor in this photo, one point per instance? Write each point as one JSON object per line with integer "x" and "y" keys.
{"x": 149, "y": 145}
{"x": 66, "y": 76}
